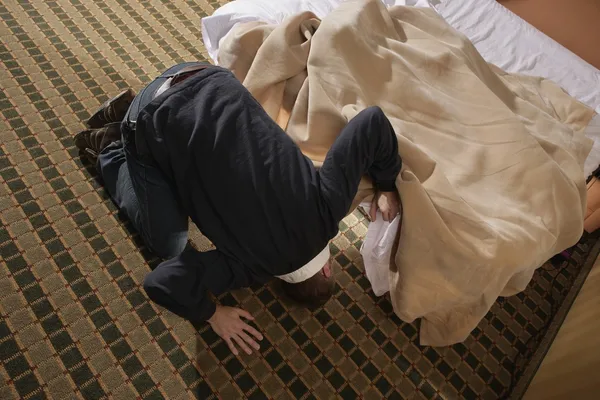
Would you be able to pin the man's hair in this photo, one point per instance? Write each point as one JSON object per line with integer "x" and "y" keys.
{"x": 313, "y": 292}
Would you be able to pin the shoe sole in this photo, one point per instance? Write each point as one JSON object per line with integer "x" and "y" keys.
{"x": 84, "y": 150}
{"x": 96, "y": 121}
{"x": 80, "y": 141}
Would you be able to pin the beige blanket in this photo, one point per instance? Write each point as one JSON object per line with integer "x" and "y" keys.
{"x": 492, "y": 184}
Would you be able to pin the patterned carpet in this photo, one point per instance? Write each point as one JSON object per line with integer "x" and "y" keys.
{"x": 74, "y": 322}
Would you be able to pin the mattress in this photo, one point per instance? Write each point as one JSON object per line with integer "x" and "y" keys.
{"x": 502, "y": 38}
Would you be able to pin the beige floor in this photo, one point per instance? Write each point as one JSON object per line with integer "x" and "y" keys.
{"x": 571, "y": 369}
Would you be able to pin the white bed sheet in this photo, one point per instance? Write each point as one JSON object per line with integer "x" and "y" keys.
{"x": 502, "y": 38}
{"x": 217, "y": 25}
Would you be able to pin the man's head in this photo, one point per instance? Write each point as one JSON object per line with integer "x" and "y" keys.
{"x": 311, "y": 284}
{"x": 314, "y": 291}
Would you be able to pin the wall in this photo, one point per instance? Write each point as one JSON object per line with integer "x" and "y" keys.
{"x": 573, "y": 23}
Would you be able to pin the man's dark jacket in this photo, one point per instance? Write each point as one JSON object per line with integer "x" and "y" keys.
{"x": 248, "y": 187}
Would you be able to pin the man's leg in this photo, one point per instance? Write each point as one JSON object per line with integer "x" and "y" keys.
{"x": 147, "y": 199}
{"x": 139, "y": 189}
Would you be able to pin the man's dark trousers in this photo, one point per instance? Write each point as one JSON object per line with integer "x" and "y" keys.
{"x": 139, "y": 189}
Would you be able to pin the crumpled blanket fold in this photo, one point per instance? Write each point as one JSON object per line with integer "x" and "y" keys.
{"x": 492, "y": 184}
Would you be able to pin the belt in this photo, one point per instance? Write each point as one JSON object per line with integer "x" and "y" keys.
{"x": 179, "y": 77}
{"x": 186, "y": 72}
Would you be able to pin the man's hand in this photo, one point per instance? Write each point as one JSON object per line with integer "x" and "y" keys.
{"x": 386, "y": 202}
{"x": 228, "y": 324}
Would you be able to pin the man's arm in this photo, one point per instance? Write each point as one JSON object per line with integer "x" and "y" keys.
{"x": 184, "y": 284}
{"x": 367, "y": 145}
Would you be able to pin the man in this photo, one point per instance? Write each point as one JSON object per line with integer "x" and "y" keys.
{"x": 196, "y": 143}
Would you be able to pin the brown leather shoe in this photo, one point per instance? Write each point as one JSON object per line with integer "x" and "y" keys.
{"x": 92, "y": 141}
{"x": 113, "y": 110}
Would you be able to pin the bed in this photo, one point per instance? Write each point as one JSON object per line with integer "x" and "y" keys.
{"x": 489, "y": 27}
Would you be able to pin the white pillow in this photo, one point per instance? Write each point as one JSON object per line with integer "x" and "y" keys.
{"x": 218, "y": 25}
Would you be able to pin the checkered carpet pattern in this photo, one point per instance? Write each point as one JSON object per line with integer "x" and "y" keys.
{"x": 74, "y": 321}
